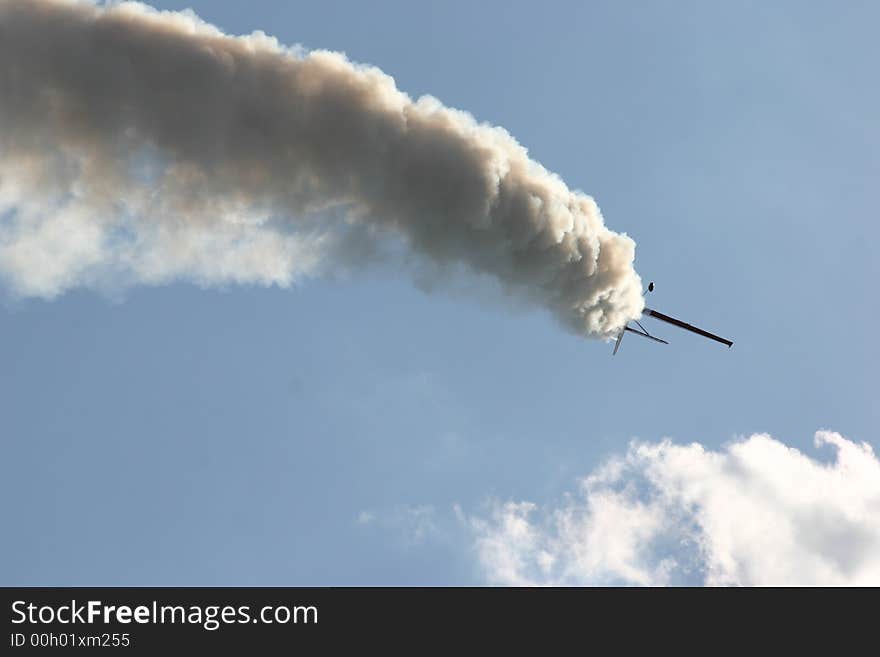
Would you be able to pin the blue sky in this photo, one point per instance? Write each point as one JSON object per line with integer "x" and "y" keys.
{"x": 181, "y": 436}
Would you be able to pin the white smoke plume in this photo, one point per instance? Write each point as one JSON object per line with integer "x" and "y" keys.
{"x": 140, "y": 147}
{"x": 756, "y": 512}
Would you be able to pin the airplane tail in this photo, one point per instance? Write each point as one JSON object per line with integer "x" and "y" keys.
{"x": 619, "y": 340}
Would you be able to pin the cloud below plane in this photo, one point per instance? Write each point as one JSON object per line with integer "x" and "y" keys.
{"x": 755, "y": 512}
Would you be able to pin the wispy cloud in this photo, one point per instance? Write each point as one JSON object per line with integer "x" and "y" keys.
{"x": 411, "y": 524}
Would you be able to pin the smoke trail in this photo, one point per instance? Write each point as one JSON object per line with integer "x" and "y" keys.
{"x": 139, "y": 147}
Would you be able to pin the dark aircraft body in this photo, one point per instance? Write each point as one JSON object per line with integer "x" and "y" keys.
{"x": 669, "y": 320}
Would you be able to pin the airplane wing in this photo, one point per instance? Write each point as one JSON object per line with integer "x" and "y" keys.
{"x": 630, "y": 329}
{"x": 685, "y": 326}
{"x": 645, "y": 335}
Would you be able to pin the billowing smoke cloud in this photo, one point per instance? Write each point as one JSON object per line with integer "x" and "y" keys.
{"x": 139, "y": 147}
{"x": 753, "y": 513}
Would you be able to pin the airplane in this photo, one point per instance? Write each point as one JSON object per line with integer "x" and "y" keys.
{"x": 669, "y": 320}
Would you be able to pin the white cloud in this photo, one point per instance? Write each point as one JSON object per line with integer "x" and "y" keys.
{"x": 755, "y": 512}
